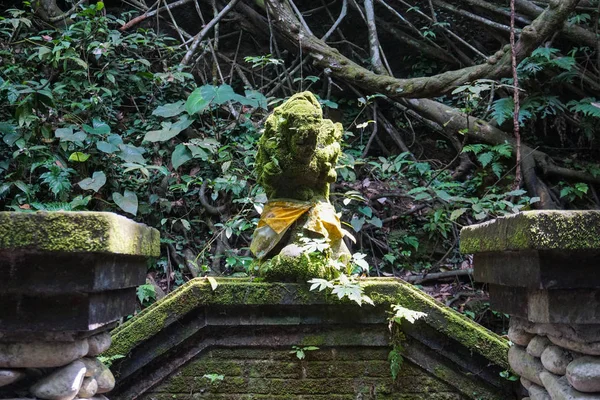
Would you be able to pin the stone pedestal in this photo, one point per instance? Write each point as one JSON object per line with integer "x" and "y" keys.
{"x": 67, "y": 278}
{"x": 542, "y": 269}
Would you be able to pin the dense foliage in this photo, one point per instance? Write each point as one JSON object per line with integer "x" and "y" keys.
{"x": 93, "y": 117}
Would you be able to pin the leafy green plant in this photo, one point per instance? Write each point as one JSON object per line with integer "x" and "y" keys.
{"x": 108, "y": 361}
{"x": 300, "y": 352}
{"x": 213, "y": 378}
{"x": 399, "y": 315}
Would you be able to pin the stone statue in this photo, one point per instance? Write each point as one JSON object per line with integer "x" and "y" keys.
{"x": 299, "y": 235}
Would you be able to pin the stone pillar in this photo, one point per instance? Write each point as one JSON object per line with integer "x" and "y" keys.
{"x": 66, "y": 278}
{"x": 543, "y": 268}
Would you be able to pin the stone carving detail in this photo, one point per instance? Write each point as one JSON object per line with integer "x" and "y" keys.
{"x": 296, "y": 160}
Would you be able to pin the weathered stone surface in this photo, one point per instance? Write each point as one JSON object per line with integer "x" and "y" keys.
{"x": 8, "y": 376}
{"x": 538, "y": 393}
{"x": 537, "y": 345}
{"x": 519, "y": 336}
{"x": 555, "y": 359}
{"x": 62, "y": 384}
{"x": 560, "y": 306}
{"x": 98, "y": 344}
{"x": 592, "y": 348}
{"x": 559, "y": 388}
{"x": 526, "y": 382}
{"x": 582, "y": 333}
{"x": 92, "y": 366}
{"x": 88, "y": 389}
{"x": 536, "y": 269}
{"x": 65, "y": 312}
{"x": 584, "y": 374}
{"x": 29, "y": 273}
{"x": 97, "y": 232}
{"x": 41, "y": 354}
{"x": 105, "y": 380}
{"x": 538, "y": 230}
{"x": 525, "y": 365}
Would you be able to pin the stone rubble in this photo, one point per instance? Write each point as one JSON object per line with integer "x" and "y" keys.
{"x": 63, "y": 370}
{"x": 553, "y": 367}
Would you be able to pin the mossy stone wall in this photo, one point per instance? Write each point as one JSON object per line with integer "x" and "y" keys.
{"x": 344, "y": 373}
{"x": 247, "y": 330}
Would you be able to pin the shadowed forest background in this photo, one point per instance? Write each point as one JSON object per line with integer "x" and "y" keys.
{"x": 154, "y": 111}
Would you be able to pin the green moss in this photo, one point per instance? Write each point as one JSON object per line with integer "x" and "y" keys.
{"x": 539, "y": 230}
{"x": 298, "y": 150}
{"x": 244, "y": 292}
{"x": 297, "y": 269}
{"x": 97, "y": 232}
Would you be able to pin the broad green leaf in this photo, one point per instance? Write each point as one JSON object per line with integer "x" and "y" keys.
{"x": 131, "y": 153}
{"x": 94, "y": 183}
{"x": 181, "y": 155}
{"x": 168, "y": 131}
{"x": 169, "y": 110}
{"x": 106, "y": 147}
{"x": 457, "y": 213}
{"x": 196, "y": 102}
{"x": 127, "y": 201}
{"x": 79, "y": 157}
{"x": 257, "y": 99}
{"x": 98, "y": 128}
{"x": 67, "y": 135}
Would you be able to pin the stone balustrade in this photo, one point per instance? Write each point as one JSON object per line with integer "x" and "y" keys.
{"x": 67, "y": 278}
{"x": 542, "y": 269}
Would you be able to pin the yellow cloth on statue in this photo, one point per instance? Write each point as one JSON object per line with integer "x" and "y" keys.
{"x": 279, "y": 215}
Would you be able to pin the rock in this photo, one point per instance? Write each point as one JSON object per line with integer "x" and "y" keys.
{"x": 62, "y": 384}
{"x": 89, "y": 387}
{"x": 98, "y": 344}
{"x": 584, "y": 374}
{"x": 526, "y": 383}
{"x": 291, "y": 250}
{"x": 559, "y": 388}
{"x": 538, "y": 393}
{"x": 8, "y": 376}
{"x": 41, "y": 354}
{"x": 105, "y": 380}
{"x": 99, "y": 397}
{"x": 519, "y": 336}
{"x": 525, "y": 365}
{"x": 537, "y": 345}
{"x": 92, "y": 366}
{"x": 581, "y": 333}
{"x": 556, "y": 359}
{"x": 588, "y": 348}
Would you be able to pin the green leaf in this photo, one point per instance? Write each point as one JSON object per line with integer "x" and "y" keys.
{"x": 377, "y": 222}
{"x": 169, "y": 110}
{"x": 98, "y": 128}
{"x": 457, "y": 213}
{"x": 256, "y": 99}
{"x": 127, "y": 201}
{"x": 94, "y": 183}
{"x": 130, "y": 153}
{"x": 196, "y": 102}
{"x": 357, "y": 223}
{"x": 106, "y": 147}
{"x": 485, "y": 158}
{"x": 367, "y": 211}
{"x": 78, "y": 156}
{"x": 67, "y": 135}
{"x": 169, "y": 130}
{"x": 180, "y": 156}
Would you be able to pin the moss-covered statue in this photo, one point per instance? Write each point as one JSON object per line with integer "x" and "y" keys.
{"x": 299, "y": 235}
